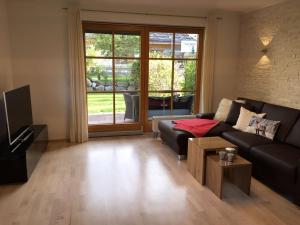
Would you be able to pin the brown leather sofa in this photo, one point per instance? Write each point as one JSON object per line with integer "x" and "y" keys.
{"x": 276, "y": 163}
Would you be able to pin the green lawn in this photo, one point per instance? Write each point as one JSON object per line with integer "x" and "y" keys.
{"x": 103, "y": 103}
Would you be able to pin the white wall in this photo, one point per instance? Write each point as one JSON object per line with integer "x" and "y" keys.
{"x": 5, "y": 61}
{"x": 226, "y": 58}
{"x": 39, "y": 58}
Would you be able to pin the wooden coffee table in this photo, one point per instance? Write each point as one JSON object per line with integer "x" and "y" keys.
{"x": 198, "y": 149}
{"x": 237, "y": 172}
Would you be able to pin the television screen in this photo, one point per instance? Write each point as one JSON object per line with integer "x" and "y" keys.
{"x": 18, "y": 112}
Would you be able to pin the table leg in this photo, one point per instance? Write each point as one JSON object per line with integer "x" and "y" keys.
{"x": 196, "y": 162}
{"x": 214, "y": 177}
{"x": 241, "y": 177}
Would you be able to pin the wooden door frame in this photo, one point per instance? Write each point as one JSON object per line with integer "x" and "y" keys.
{"x": 143, "y": 31}
{"x": 178, "y": 29}
{"x": 114, "y": 28}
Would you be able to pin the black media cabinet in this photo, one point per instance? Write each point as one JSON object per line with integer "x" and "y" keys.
{"x": 17, "y": 166}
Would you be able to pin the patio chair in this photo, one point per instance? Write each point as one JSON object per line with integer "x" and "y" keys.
{"x": 131, "y": 106}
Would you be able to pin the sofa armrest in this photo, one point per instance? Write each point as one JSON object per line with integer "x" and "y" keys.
{"x": 156, "y": 119}
{"x": 205, "y": 116}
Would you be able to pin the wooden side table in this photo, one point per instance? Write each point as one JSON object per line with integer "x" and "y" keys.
{"x": 198, "y": 148}
{"x": 238, "y": 172}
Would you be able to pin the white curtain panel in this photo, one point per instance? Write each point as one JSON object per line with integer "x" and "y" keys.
{"x": 78, "y": 117}
{"x": 208, "y": 65}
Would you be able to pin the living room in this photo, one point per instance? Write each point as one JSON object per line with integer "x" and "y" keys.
{"x": 102, "y": 164}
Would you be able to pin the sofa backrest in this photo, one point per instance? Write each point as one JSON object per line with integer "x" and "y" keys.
{"x": 286, "y": 116}
{"x": 256, "y": 105}
{"x": 293, "y": 137}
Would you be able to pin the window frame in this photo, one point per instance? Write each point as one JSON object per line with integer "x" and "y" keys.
{"x": 144, "y": 31}
{"x": 173, "y": 58}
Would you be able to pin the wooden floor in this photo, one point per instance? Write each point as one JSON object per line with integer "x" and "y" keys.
{"x": 131, "y": 181}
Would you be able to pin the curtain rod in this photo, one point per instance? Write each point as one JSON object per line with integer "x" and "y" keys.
{"x": 145, "y": 14}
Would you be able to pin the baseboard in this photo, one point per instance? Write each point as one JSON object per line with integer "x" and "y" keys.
{"x": 59, "y": 140}
{"x": 114, "y": 133}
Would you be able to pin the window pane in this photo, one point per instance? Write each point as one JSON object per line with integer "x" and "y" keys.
{"x": 98, "y": 44}
{"x": 127, "y": 107}
{"x": 183, "y": 103}
{"x": 127, "y": 74}
{"x": 100, "y": 108}
{"x": 184, "y": 75}
{"x": 159, "y": 104}
{"x": 160, "y": 75}
{"x": 127, "y": 45}
{"x": 99, "y": 74}
{"x": 186, "y": 45}
{"x": 161, "y": 45}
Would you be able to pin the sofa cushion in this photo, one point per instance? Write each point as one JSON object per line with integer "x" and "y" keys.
{"x": 234, "y": 112}
{"x": 293, "y": 137}
{"x": 219, "y": 129}
{"x": 263, "y": 127}
{"x": 279, "y": 159}
{"x": 205, "y": 116}
{"x": 177, "y": 140}
{"x": 244, "y": 119}
{"x": 286, "y": 116}
{"x": 257, "y": 105}
{"x": 223, "y": 109}
{"x": 245, "y": 141}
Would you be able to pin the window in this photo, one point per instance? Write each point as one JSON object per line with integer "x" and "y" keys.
{"x": 112, "y": 72}
{"x": 134, "y": 72}
{"x": 173, "y": 60}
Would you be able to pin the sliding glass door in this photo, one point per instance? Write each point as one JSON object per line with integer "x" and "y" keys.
{"x": 113, "y": 76}
{"x": 135, "y": 72}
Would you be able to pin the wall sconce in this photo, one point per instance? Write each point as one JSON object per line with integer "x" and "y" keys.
{"x": 264, "y": 51}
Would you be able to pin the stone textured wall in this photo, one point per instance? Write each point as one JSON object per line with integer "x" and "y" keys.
{"x": 275, "y": 76}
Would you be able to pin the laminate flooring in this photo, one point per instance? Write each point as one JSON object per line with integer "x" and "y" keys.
{"x": 131, "y": 180}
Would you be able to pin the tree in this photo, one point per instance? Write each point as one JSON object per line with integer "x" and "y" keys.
{"x": 96, "y": 71}
{"x": 126, "y": 45}
{"x": 160, "y": 75}
{"x": 135, "y": 72}
{"x": 189, "y": 75}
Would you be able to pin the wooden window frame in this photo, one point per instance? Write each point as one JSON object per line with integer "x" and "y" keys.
{"x": 144, "y": 31}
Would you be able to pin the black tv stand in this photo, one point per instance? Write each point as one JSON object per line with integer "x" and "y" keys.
{"x": 27, "y": 137}
{"x": 18, "y": 163}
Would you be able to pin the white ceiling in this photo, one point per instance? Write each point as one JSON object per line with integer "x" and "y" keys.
{"x": 181, "y": 5}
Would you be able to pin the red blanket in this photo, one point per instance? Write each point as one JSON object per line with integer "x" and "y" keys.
{"x": 197, "y": 127}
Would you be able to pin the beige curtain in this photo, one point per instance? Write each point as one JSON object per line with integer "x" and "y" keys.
{"x": 78, "y": 117}
{"x": 206, "y": 99}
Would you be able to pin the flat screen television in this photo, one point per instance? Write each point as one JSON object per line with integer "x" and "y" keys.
{"x": 18, "y": 112}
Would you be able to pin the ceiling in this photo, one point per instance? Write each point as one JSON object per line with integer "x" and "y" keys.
{"x": 181, "y": 5}
{"x": 178, "y": 7}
